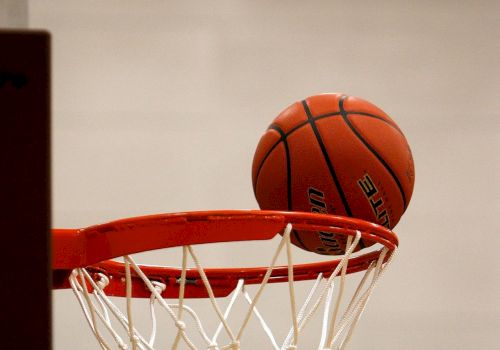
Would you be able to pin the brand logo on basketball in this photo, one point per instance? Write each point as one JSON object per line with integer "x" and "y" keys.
{"x": 330, "y": 243}
{"x": 376, "y": 202}
{"x": 317, "y": 200}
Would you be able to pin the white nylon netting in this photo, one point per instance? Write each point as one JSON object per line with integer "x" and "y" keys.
{"x": 114, "y": 328}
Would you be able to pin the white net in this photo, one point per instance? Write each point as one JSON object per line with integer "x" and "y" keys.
{"x": 115, "y": 328}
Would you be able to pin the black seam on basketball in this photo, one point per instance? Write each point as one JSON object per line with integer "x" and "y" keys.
{"x": 376, "y": 117}
{"x": 335, "y": 114}
{"x": 326, "y": 115}
{"x": 274, "y": 127}
{"x": 298, "y": 126}
{"x": 288, "y": 166}
{"x": 371, "y": 149}
{"x": 326, "y": 157}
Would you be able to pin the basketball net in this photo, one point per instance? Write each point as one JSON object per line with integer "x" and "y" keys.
{"x": 113, "y": 327}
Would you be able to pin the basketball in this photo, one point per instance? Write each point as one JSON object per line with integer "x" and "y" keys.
{"x": 334, "y": 154}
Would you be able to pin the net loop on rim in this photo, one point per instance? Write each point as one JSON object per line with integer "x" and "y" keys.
{"x": 94, "y": 284}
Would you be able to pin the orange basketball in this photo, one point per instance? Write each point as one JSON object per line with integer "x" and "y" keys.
{"x": 336, "y": 154}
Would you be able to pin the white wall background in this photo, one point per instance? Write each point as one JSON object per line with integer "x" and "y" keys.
{"x": 13, "y": 13}
{"x": 158, "y": 107}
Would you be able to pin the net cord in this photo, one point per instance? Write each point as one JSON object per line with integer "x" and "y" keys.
{"x": 293, "y": 306}
{"x": 240, "y": 290}
{"x": 160, "y": 287}
{"x": 349, "y": 321}
{"x": 329, "y": 282}
{"x": 114, "y": 310}
{"x": 326, "y": 315}
{"x": 123, "y": 320}
{"x": 263, "y": 323}
{"x": 117, "y": 313}
{"x": 78, "y": 292}
{"x": 300, "y": 315}
{"x": 234, "y": 296}
{"x": 131, "y": 333}
{"x": 379, "y": 270}
{"x": 286, "y": 236}
{"x": 234, "y": 343}
{"x": 340, "y": 294}
{"x": 182, "y": 287}
{"x": 178, "y": 323}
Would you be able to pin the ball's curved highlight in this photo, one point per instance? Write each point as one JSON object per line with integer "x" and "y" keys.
{"x": 335, "y": 154}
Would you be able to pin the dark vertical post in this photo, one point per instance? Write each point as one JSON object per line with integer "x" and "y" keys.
{"x": 25, "y": 277}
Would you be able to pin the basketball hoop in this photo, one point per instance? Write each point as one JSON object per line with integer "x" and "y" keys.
{"x": 82, "y": 262}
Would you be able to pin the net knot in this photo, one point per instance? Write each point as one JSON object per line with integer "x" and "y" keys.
{"x": 291, "y": 347}
{"x": 160, "y": 287}
{"x": 135, "y": 338}
{"x": 212, "y": 346}
{"x": 103, "y": 282}
{"x": 235, "y": 345}
{"x": 180, "y": 325}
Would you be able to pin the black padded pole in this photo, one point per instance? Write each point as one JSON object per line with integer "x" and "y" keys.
{"x": 25, "y": 277}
